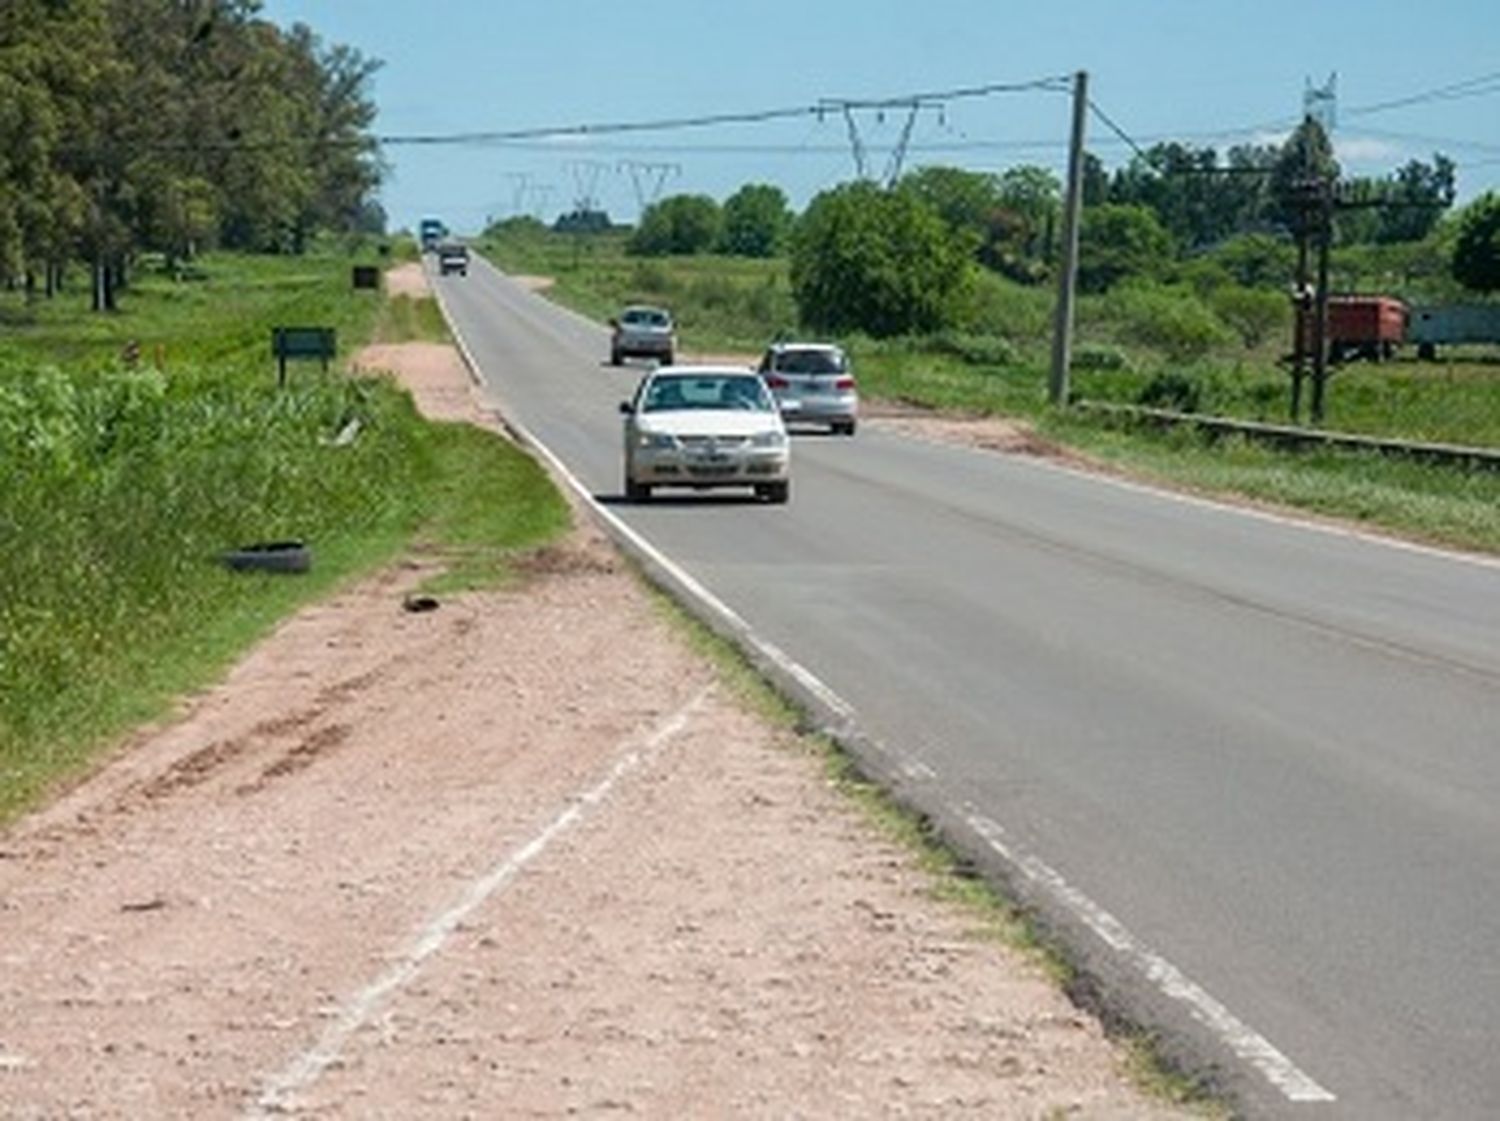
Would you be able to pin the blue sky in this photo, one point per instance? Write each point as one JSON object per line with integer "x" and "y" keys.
{"x": 1205, "y": 71}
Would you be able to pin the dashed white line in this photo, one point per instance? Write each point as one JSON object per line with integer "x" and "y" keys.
{"x": 279, "y": 1093}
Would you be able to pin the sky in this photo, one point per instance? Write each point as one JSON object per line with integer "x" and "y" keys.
{"x": 1206, "y": 72}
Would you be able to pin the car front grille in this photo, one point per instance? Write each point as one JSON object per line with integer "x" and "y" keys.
{"x": 724, "y": 443}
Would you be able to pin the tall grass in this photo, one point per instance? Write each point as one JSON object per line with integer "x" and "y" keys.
{"x": 120, "y": 489}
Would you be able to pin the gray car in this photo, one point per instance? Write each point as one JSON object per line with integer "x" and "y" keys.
{"x": 813, "y": 384}
{"x": 643, "y": 332}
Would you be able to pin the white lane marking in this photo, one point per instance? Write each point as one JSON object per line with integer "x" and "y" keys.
{"x": 279, "y": 1093}
{"x": 1243, "y": 1041}
{"x": 1238, "y": 1036}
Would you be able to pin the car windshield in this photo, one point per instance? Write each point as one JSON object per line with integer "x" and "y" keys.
{"x": 810, "y": 361}
{"x": 711, "y": 391}
{"x": 645, "y": 317}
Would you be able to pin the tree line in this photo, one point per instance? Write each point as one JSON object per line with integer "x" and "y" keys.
{"x": 900, "y": 260}
{"x": 171, "y": 126}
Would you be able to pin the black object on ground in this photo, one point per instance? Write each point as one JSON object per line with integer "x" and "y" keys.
{"x": 271, "y": 556}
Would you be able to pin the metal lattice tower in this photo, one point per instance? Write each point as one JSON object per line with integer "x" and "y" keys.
{"x": 1321, "y": 103}
{"x": 649, "y": 179}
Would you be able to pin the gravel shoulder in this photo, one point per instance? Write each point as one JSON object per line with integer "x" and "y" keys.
{"x": 523, "y": 856}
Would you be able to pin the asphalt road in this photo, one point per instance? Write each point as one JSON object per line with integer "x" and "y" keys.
{"x": 1251, "y": 768}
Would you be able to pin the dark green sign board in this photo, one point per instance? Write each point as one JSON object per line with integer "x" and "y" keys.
{"x": 302, "y": 342}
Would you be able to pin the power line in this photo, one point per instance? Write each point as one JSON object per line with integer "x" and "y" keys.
{"x": 1471, "y": 87}
{"x": 758, "y": 116}
{"x": 1117, "y": 130}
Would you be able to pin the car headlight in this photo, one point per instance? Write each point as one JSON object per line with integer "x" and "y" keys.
{"x": 656, "y": 440}
{"x": 772, "y": 439}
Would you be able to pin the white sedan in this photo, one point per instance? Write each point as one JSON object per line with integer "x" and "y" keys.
{"x": 705, "y": 426}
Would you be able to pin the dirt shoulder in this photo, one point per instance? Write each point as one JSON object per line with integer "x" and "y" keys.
{"x": 521, "y": 856}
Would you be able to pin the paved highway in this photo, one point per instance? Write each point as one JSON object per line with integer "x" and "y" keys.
{"x": 1250, "y": 768}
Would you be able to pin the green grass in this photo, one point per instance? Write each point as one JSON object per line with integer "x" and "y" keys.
{"x": 120, "y": 489}
{"x": 404, "y": 319}
{"x": 720, "y": 303}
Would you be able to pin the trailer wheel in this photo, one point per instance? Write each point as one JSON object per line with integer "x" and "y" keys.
{"x": 1427, "y": 352}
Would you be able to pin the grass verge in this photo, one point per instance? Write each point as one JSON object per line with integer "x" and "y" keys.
{"x": 121, "y": 488}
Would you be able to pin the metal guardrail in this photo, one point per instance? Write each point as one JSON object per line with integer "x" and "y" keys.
{"x": 1287, "y": 435}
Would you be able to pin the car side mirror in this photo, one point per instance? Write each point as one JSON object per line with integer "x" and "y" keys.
{"x": 626, "y": 408}
{"x": 615, "y": 323}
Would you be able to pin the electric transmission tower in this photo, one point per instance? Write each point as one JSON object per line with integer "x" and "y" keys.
{"x": 1321, "y": 103}
{"x": 586, "y": 181}
{"x": 649, "y": 179}
{"x": 520, "y": 184}
{"x": 912, "y": 107}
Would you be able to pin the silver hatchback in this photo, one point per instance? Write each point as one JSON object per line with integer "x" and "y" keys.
{"x": 812, "y": 384}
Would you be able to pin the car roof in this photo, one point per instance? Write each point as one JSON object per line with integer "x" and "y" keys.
{"x": 646, "y": 307}
{"x": 702, "y": 371}
{"x": 805, "y": 346}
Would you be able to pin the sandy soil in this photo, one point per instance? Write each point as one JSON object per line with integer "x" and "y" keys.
{"x": 407, "y": 279}
{"x": 518, "y": 856}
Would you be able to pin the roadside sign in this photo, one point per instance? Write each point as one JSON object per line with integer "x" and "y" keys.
{"x": 301, "y": 342}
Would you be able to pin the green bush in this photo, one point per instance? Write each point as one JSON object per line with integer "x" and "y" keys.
{"x": 1171, "y": 391}
{"x": 1173, "y": 321}
{"x": 1096, "y": 356}
{"x": 882, "y": 262}
{"x": 1255, "y": 314}
{"x": 976, "y": 350}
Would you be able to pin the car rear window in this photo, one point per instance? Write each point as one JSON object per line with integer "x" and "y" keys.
{"x": 640, "y": 318}
{"x": 810, "y": 362}
{"x": 687, "y": 391}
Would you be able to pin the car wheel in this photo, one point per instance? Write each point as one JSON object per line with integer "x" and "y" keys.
{"x": 666, "y": 359}
{"x": 775, "y": 493}
{"x": 616, "y": 358}
{"x": 845, "y": 428}
{"x": 637, "y": 492}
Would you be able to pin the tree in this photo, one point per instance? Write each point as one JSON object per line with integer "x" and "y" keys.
{"x": 756, "y": 221}
{"x": 680, "y": 224}
{"x": 1476, "y": 253}
{"x": 1095, "y": 182}
{"x": 883, "y": 262}
{"x": 1257, "y": 260}
{"x": 963, "y": 199}
{"x": 1118, "y": 241}
{"x": 1306, "y": 158}
{"x": 1420, "y": 194}
{"x": 1030, "y": 204}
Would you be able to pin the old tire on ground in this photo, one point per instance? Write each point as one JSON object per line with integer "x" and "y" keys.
{"x": 270, "y": 556}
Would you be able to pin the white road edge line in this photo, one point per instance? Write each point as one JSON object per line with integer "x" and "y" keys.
{"x": 277, "y": 1096}
{"x": 1241, "y": 1039}
{"x": 1244, "y": 1041}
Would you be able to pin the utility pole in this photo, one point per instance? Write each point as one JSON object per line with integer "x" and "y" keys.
{"x": 1320, "y": 315}
{"x": 1067, "y": 279}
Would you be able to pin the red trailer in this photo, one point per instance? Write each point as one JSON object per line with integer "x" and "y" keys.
{"x": 1359, "y": 326}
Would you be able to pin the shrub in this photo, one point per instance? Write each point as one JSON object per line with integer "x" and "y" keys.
{"x": 1253, "y": 313}
{"x": 1098, "y": 356}
{"x": 1170, "y": 391}
{"x": 977, "y": 350}
{"x": 1172, "y": 321}
{"x": 878, "y": 261}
